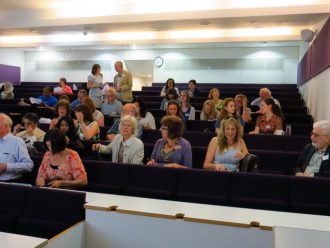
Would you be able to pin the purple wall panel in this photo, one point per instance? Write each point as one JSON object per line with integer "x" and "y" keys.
{"x": 321, "y": 50}
{"x": 10, "y": 73}
{"x": 304, "y": 68}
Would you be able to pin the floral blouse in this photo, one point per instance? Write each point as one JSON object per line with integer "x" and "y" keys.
{"x": 72, "y": 168}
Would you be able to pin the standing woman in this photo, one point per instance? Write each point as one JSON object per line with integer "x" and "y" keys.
{"x": 171, "y": 150}
{"x": 60, "y": 167}
{"x": 227, "y": 149}
{"x": 271, "y": 120}
{"x": 94, "y": 84}
{"x": 87, "y": 127}
{"x": 187, "y": 110}
{"x": 146, "y": 119}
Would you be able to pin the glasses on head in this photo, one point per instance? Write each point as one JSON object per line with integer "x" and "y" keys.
{"x": 317, "y": 135}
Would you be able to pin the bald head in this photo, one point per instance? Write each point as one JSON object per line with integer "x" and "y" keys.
{"x": 5, "y": 124}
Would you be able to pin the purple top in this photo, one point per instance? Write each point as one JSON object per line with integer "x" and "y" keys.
{"x": 182, "y": 154}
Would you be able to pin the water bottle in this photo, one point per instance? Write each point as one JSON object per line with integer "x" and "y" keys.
{"x": 288, "y": 130}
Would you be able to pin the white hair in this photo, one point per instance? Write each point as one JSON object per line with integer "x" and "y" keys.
{"x": 6, "y": 119}
{"x": 267, "y": 90}
{"x": 133, "y": 120}
{"x": 324, "y": 126}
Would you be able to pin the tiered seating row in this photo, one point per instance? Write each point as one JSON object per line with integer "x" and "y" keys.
{"x": 272, "y": 192}
{"x": 39, "y": 212}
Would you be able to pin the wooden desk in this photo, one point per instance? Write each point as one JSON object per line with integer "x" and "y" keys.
{"x": 10, "y": 240}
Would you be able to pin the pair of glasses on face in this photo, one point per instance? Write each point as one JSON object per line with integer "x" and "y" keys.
{"x": 163, "y": 128}
{"x": 317, "y": 135}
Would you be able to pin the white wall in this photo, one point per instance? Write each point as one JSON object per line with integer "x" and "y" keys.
{"x": 13, "y": 57}
{"x": 316, "y": 95}
{"x": 287, "y": 74}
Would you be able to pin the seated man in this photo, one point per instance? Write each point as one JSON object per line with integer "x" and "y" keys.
{"x": 14, "y": 156}
{"x": 314, "y": 160}
{"x": 111, "y": 106}
{"x": 81, "y": 95}
{"x": 47, "y": 98}
{"x": 128, "y": 109}
{"x": 264, "y": 93}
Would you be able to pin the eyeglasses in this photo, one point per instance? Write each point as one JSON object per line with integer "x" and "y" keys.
{"x": 163, "y": 128}
{"x": 317, "y": 135}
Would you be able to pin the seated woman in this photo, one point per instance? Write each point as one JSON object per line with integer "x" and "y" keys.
{"x": 171, "y": 95}
{"x": 60, "y": 167}
{"x": 64, "y": 89}
{"x": 186, "y": 108}
{"x": 171, "y": 150}
{"x": 29, "y": 132}
{"x": 87, "y": 127}
{"x": 271, "y": 120}
{"x": 8, "y": 91}
{"x": 241, "y": 108}
{"x": 170, "y": 84}
{"x": 174, "y": 109}
{"x": 125, "y": 147}
{"x": 97, "y": 115}
{"x": 227, "y": 149}
{"x": 66, "y": 125}
{"x": 62, "y": 108}
{"x": 146, "y": 119}
{"x": 229, "y": 109}
{"x": 214, "y": 95}
{"x": 209, "y": 113}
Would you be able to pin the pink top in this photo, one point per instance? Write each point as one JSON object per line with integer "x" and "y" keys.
{"x": 71, "y": 169}
{"x": 67, "y": 90}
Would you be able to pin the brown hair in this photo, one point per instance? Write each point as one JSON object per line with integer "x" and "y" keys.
{"x": 222, "y": 139}
{"x": 174, "y": 125}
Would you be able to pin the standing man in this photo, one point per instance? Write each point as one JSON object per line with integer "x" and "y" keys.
{"x": 123, "y": 83}
{"x": 314, "y": 160}
{"x": 14, "y": 156}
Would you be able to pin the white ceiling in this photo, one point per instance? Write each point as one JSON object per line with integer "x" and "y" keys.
{"x": 119, "y": 24}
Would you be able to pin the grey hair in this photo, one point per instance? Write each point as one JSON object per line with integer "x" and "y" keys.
{"x": 6, "y": 119}
{"x": 119, "y": 63}
{"x": 134, "y": 122}
{"x": 266, "y": 89}
{"x": 324, "y": 126}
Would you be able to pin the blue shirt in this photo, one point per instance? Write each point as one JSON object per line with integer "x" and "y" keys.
{"x": 75, "y": 103}
{"x": 14, "y": 153}
{"x": 49, "y": 100}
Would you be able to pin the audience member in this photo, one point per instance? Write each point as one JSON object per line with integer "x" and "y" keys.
{"x": 63, "y": 89}
{"x": 228, "y": 110}
{"x": 264, "y": 93}
{"x": 60, "y": 167}
{"x": 7, "y": 91}
{"x": 192, "y": 88}
{"x": 241, "y": 108}
{"x": 95, "y": 84}
{"x": 209, "y": 113}
{"x": 128, "y": 109}
{"x": 271, "y": 120}
{"x": 227, "y": 149}
{"x": 186, "y": 108}
{"x": 47, "y": 98}
{"x": 87, "y": 127}
{"x": 146, "y": 119}
{"x": 123, "y": 83}
{"x": 314, "y": 160}
{"x": 97, "y": 115}
{"x": 171, "y": 150}
{"x": 81, "y": 95}
{"x": 29, "y": 132}
{"x": 62, "y": 108}
{"x": 67, "y": 127}
{"x": 125, "y": 147}
{"x": 214, "y": 95}
{"x": 14, "y": 158}
{"x": 171, "y": 94}
{"x": 170, "y": 84}
{"x": 111, "y": 106}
